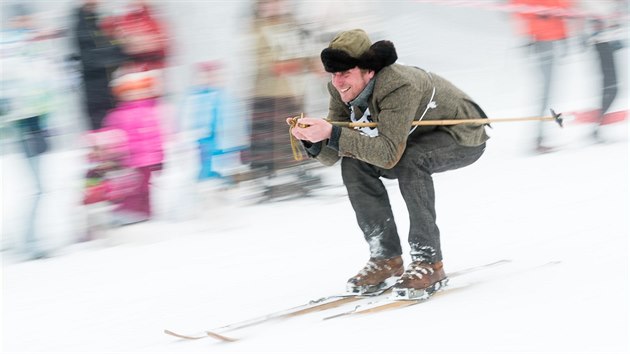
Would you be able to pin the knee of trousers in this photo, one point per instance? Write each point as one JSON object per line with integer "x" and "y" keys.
{"x": 353, "y": 171}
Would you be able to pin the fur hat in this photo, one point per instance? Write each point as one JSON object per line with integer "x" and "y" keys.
{"x": 354, "y": 48}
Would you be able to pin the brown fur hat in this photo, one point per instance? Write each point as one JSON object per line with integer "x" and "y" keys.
{"x": 353, "y": 48}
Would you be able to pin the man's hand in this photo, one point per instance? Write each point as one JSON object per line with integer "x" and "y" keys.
{"x": 311, "y": 129}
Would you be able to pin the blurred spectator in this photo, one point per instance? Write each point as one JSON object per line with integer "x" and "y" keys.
{"x": 26, "y": 99}
{"x": 545, "y": 31}
{"x": 138, "y": 116}
{"x": 204, "y": 112}
{"x": 99, "y": 56}
{"x": 281, "y": 60}
{"x": 142, "y": 34}
{"x": 604, "y": 29}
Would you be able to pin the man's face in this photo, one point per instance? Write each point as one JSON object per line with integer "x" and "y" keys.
{"x": 351, "y": 82}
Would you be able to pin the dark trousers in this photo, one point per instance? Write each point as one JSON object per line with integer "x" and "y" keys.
{"x": 98, "y": 100}
{"x": 606, "y": 54}
{"x": 430, "y": 153}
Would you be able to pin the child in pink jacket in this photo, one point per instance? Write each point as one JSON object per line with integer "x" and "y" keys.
{"x": 138, "y": 115}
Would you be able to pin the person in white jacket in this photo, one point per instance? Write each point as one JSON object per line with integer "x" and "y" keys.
{"x": 26, "y": 100}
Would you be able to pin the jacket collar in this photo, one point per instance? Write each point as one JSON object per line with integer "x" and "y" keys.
{"x": 361, "y": 101}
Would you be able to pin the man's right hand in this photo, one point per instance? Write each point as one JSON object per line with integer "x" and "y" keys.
{"x": 298, "y": 135}
{"x": 311, "y": 129}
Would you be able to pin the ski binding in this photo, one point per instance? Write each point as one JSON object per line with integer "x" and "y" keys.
{"x": 418, "y": 294}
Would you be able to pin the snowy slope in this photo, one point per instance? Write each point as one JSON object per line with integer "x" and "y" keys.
{"x": 118, "y": 295}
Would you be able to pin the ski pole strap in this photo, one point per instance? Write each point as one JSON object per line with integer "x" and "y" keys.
{"x": 295, "y": 144}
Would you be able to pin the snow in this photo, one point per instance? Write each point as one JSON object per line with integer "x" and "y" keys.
{"x": 235, "y": 262}
{"x": 119, "y": 293}
{"x": 209, "y": 259}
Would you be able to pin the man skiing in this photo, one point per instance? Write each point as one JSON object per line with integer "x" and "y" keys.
{"x": 367, "y": 86}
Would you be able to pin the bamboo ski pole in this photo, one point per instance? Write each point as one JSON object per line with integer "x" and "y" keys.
{"x": 556, "y": 117}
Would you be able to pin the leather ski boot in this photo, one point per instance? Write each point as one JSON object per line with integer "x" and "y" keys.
{"x": 376, "y": 275}
{"x": 420, "y": 281}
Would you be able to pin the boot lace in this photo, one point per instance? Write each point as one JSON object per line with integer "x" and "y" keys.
{"x": 417, "y": 270}
{"x": 373, "y": 267}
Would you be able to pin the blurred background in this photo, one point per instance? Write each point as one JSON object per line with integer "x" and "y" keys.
{"x": 208, "y": 85}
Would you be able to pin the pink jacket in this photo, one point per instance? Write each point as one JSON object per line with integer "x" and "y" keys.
{"x": 141, "y": 121}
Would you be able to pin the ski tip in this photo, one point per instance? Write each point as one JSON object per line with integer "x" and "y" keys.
{"x": 183, "y": 336}
{"x": 205, "y": 334}
{"x": 220, "y": 337}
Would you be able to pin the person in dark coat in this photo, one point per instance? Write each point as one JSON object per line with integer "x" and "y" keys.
{"x": 99, "y": 55}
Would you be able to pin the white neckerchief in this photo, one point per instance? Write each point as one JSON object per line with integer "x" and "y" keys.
{"x": 366, "y": 118}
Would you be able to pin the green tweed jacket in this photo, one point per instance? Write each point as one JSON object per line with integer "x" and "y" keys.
{"x": 400, "y": 96}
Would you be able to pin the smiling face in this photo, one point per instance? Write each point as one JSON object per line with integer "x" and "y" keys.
{"x": 350, "y": 83}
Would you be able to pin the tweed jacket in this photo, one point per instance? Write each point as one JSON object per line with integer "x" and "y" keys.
{"x": 400, "y": 96}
